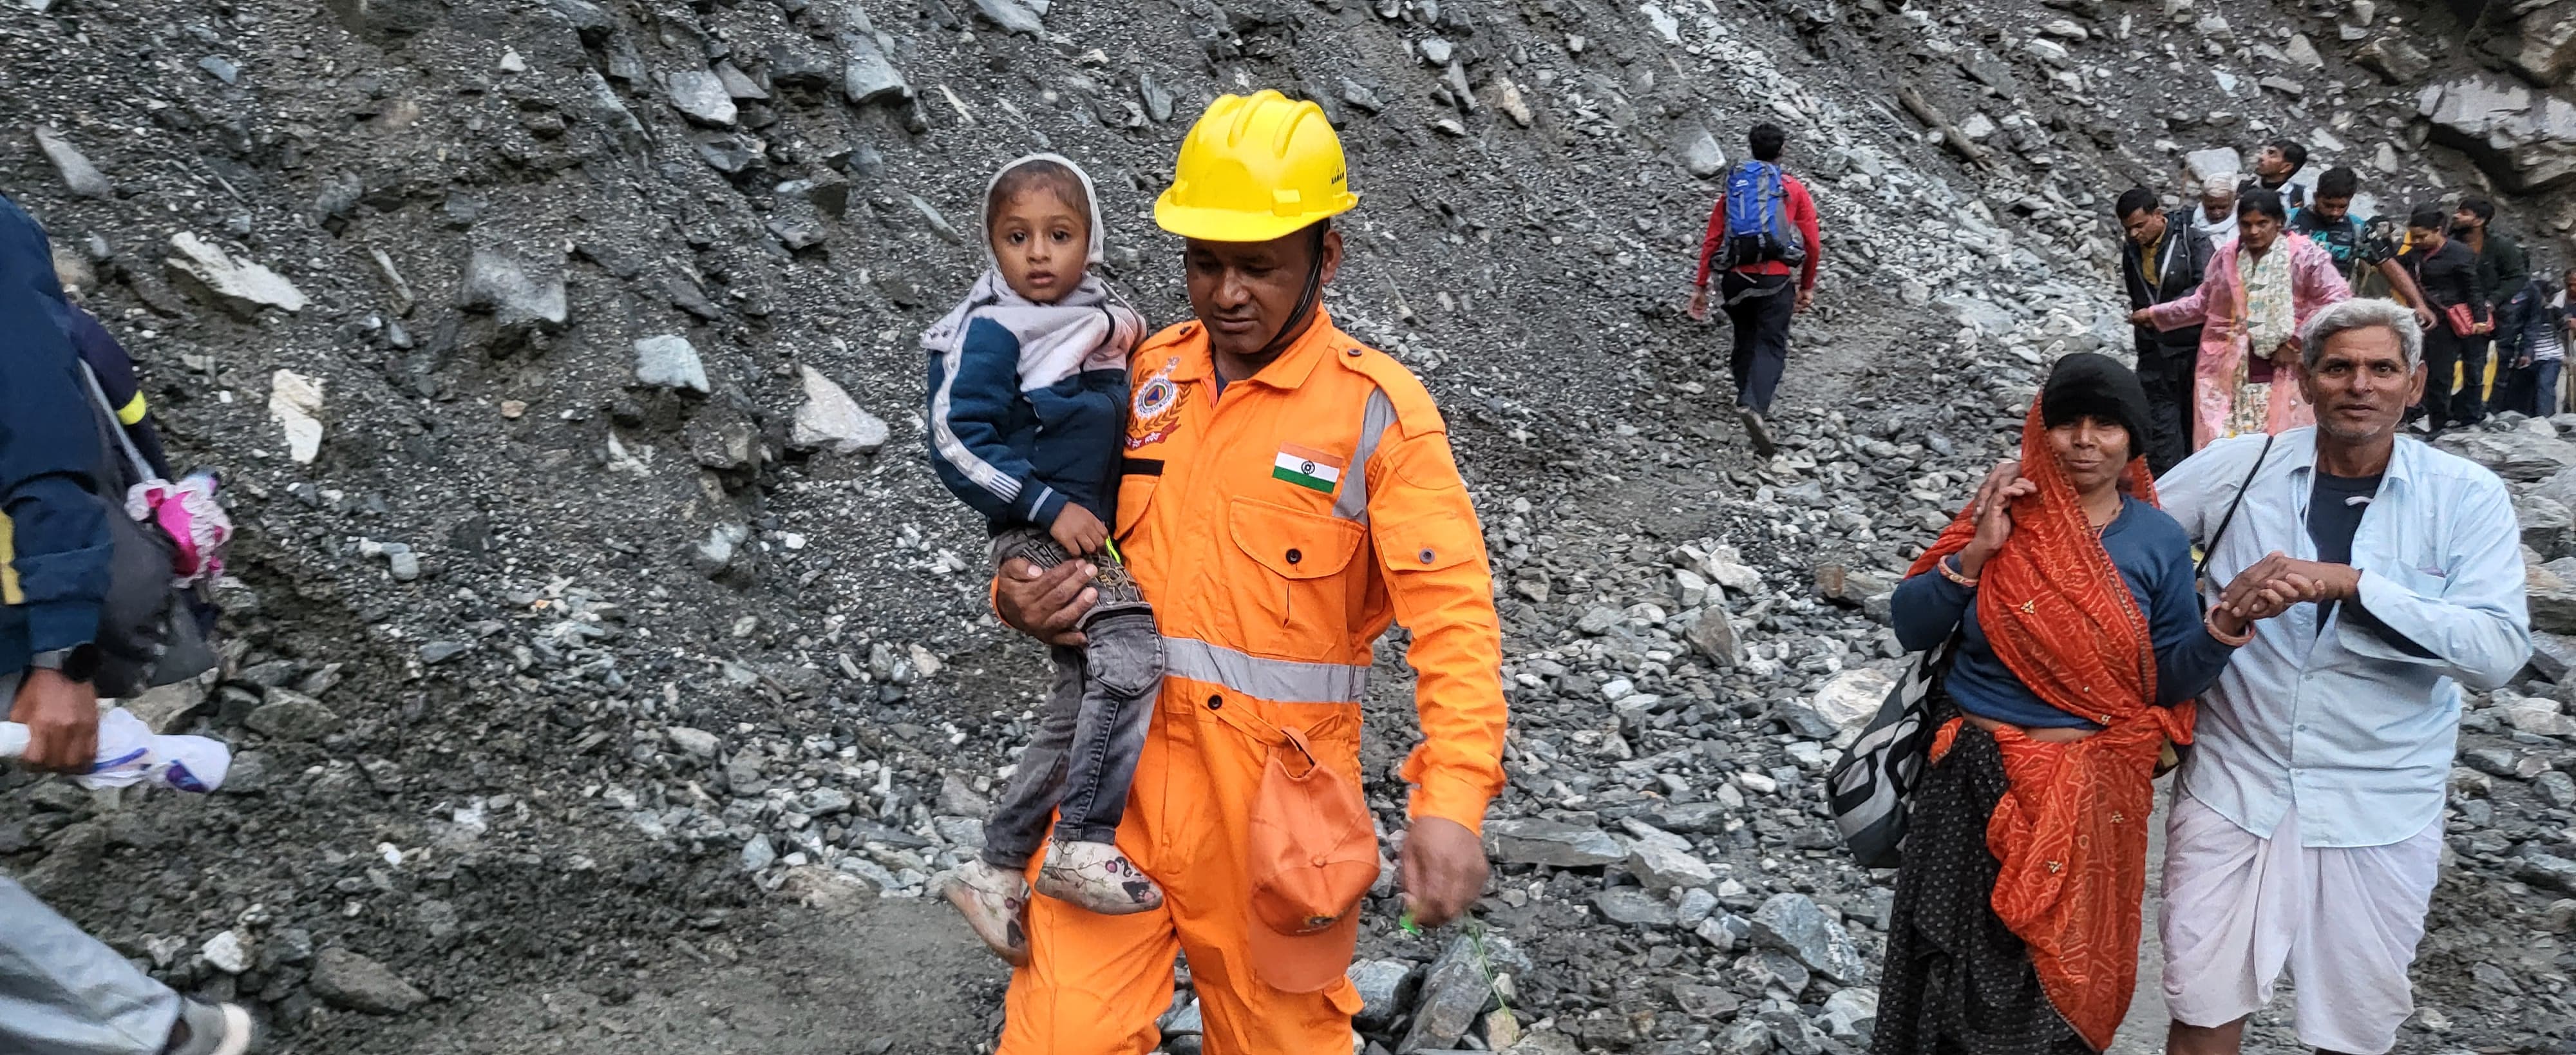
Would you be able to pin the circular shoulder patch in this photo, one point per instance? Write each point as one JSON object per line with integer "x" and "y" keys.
{"x": 1154, "y": 397}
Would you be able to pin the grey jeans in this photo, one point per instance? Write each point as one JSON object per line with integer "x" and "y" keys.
{"x": 63, "y": 992}
{"x": 1084, "y": 756}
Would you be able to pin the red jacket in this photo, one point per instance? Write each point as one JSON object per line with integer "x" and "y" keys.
{"x": 1802, "y": 211}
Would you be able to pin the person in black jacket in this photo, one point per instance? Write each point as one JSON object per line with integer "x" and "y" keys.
{"x": 2448, "y": 274}
{"x": 2531, "y": 336}
{"x": 2502, "y": 265}
{"x": 2163, "y": 259}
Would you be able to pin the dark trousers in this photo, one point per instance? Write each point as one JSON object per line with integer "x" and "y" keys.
{"x": 2531, "y": 390}
{"x": 1084, "y": 757}
{"x": 2166, "y": 372}
{"x": 1759, "y": 306}
{"x": 2444, "y": 350}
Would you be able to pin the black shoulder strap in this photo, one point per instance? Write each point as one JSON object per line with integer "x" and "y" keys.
{"x": 2210, "y": 548}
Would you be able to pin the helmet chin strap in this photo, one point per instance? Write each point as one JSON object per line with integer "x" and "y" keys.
{"x": 1303, "y": 316}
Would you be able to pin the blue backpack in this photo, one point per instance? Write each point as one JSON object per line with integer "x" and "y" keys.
{"x": 1758, "y": 230}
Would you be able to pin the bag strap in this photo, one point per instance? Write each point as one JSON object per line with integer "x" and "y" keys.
{"x": 2210, "y": 548}
{"x": 98, "y": 401}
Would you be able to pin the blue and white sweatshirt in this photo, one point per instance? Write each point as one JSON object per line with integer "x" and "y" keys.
{"x": 1028, "y": 401}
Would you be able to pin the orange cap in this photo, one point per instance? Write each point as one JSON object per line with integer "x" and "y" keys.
{"x": 1312, "y": 854}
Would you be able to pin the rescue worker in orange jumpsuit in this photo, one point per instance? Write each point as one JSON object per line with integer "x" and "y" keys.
{"x": 1287, "y": 492}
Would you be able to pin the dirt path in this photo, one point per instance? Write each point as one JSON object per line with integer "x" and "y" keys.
{"x": 866, "y": 977}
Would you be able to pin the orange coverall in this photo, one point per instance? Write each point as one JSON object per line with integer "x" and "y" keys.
{"x": 1277, "y": 528}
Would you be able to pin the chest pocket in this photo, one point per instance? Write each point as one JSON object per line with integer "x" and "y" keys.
{"x": 1137, "y": 480}
{"x": 1300, "y": 605}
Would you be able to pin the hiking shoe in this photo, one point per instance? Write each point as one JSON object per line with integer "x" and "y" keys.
{"x": 1758, "y": 430}
{"x": 213, "y": 1029}
{"x": 1097, "y": 878}
{"x": 993, "y": 901}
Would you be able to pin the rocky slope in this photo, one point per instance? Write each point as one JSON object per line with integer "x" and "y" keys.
{"x": 601, "y": 640}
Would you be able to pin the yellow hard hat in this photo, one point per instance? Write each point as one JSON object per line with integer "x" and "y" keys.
{"x": 1254, "y": 169}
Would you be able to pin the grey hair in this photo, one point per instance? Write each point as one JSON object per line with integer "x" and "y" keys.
{"x": 2362, "y": 314}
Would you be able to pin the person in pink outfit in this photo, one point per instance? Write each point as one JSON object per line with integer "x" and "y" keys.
{"x": 2261, "y": 287}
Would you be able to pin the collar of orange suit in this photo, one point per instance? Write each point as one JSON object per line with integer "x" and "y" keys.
{"x": 1287, "y": 372}
{"x": 2070, "y": 832}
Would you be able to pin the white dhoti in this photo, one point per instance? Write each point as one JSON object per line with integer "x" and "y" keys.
{"x": 2344, "y": 921}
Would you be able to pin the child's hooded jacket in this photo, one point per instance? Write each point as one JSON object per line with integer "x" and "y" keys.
{"x": 1028, "y": 401}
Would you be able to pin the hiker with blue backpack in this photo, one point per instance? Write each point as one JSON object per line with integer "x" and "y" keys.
{"x": 1761, "y": 231}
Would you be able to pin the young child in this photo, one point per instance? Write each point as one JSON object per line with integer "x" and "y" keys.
{"x": 1028, "y": 397}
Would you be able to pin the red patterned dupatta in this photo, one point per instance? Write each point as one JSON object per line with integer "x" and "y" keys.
{"x": 2071, "y": 831}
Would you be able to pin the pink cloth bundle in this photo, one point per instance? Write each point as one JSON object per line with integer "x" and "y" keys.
{"x": 187, "y": 512}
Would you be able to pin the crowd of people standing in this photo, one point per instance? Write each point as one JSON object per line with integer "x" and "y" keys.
{"x": 2218, "y": 289}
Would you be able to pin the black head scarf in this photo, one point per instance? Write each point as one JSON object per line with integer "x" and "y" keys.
{"x": 2090, "y": 384}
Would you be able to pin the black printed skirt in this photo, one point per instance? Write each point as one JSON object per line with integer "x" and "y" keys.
{"x": 1957, "y": 981}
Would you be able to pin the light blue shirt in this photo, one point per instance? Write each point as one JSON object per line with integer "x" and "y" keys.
{"x": 2355, "y": 732}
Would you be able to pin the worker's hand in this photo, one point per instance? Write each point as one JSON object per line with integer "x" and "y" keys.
{"x": 2142, "y": 317}
{"x": 2522, "y": 362}
{"x": 61, "y": 716}
{"x": 1444, "y": 870}
{"x": 2286, "y": 354}
{"x": 1698, "y": 307}
{"x": 2424, "y": 318}
{"x": 1045, "y": 604}
{"x": 1806, "y": 300}
{"x": 1079, "y": 532}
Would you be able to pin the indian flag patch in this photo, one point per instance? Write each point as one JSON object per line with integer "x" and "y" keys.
{"x": 1307, "y": 467}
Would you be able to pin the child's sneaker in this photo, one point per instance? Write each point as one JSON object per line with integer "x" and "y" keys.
{"x": 1098, "y": 878}
{"x": 992, "y": 901}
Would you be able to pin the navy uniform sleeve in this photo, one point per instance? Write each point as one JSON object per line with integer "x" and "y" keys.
{"x": 55, "y": 526}
{"x": 114, "y": 367}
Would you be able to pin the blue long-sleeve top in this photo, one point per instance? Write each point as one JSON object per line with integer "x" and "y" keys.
{"x": 1018, "y": 447}
{"x": 54, "y": 545}
{"x": 2154, "y": 558}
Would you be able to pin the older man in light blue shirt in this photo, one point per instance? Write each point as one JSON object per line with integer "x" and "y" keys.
{"x": 2307, "y": 831}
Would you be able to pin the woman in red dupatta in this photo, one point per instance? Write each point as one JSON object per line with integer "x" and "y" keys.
{"x": 2080, "y": 642}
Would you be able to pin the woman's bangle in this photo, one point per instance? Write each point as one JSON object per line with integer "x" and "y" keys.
{"x": 1948, "y": 566}
{"x": 2210, "y": 623}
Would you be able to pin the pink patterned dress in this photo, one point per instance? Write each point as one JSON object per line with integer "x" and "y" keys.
{"x": 2226, "y": 399}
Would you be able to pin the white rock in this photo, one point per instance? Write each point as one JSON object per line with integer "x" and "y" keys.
{"x": 831, "y": 420}
{"x": 1726, "y": 568}
{"x": 697, "y": 742}
{"x": 700, "y": 95}
{"x": 238, "y": 286}
{"x": 1853, "y": 696}
{"x": 295, "y": 403}
{"x": 226, "y": 952}
{"x": 670, "y": 361}
{"x": 1666, "y": 26}
{"x": 1690, "y": 588}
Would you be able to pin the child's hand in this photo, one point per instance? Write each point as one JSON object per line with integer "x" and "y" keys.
{"x": 1079, "y": 532}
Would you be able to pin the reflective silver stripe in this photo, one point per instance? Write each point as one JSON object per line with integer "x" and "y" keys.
{"x": 1380, "y": 413}
{"x": 1275, "y": 680}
